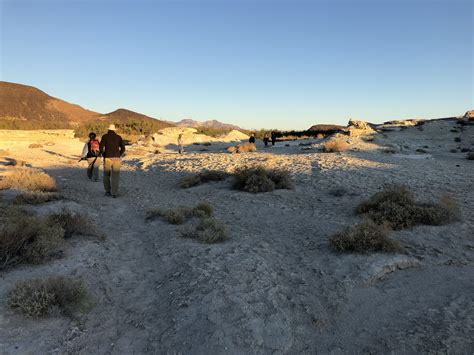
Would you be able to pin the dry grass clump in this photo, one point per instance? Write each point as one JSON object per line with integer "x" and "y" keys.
{"x": 396, "y": 206}
{"x": 457, "y": 139}
{"x": 26, "y": 179}
{"x": 180, "y": 215}
{"x": 36, "y": 197}
{"x": 203, "y": 177}
{"x": 470, "y": 156}
{"x": 35, "y": 145}
{"x": 259, "y": 179}
{"x": 42, "y": 297}
{"x": 364, "y": 237}
{"x": 243, "y": 148}
{"x": 27, "y": 239}
{"x": 335, "y": 145}
{"x": 73, "y": 224}
{"x": 208, "y": 230}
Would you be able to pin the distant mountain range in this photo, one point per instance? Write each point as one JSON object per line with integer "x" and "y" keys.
{"x": 26, "y": 107}
{"x": 206, "y": 124}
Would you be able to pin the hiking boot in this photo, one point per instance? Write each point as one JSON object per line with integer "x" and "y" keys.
{"x": 107, "y": 194}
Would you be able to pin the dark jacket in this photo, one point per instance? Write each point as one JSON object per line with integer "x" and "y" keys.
{"x": 112, "y": 145}
{"x": 252, "y": 139}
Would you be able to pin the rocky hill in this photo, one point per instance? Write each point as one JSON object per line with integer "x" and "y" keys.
{"x": 207, "y": 124}
{"x": 26, "y": 107}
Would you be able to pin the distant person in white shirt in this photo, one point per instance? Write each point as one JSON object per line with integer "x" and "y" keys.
{"x": 180, "y": 144}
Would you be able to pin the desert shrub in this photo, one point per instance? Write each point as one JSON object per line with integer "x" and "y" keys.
{"x": 281, "y": 179}
{"x": 203, "y": 177}
{"x": 73, "y": 224}
{"x": 28, "y": 239}
{"x": 207, "y": 144}
{"x": 335, "y": 145}
{"x": 453, "y": 150}
{"x": 457, "y": 139}
{"x": 190, "y": 181}
{"x": 208, "y": 230}
{"x": 35, "y": 145}
{"x": 41, "y": 297}
{"x": 259, "y": 179}
{"x": 26, "y": 179}
{"x": 181, "y": 214}
{"x": 396, "y": 206}
{"x": 364, "y": 237}
{"x": 203, "y": 209}
{"x": 36, "y": 197}
{"x": 470, "y": 156}
{"x": 243, "y": 148}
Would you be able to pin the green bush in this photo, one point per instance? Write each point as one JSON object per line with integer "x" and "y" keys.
{"x": 41, "y": 297}
{"x": 203, "y": 177}
{"x": 366, "y": 236}
{"x": 396, "y": 206}
{"x": 181, "y": 214}
{"x": 27, "y": 239}
{"x": 208, "y": 230}
{"x": 259, "y": 179}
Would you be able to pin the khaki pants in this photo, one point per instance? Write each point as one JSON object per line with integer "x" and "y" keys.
{"x": 111, "y": 170}
{"x": 95, "y": 171}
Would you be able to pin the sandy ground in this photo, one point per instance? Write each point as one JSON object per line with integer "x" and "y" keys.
{"x": 275, "y": 286}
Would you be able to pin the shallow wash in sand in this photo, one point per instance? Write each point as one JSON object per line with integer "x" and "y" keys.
{"x": 275, "y": 286}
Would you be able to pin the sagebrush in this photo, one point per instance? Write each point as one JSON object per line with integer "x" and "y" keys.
{"x": 336, "y": 145}
{"x": 27, "y": 239}
{"x": 203, "y": 177}
{"x": 396, "y": 205}
{"x": 258, "y": 179}
{"x": 28, "y": 179}
{"x": 208, "y": 230}
{"x": 41, "y": 297}
{"x": 366, "y": 236}
{"x": 36, "y": 197}
{"x": 181, "y": 214}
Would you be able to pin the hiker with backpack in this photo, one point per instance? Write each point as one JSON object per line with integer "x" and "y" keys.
{"x": 112, "y": 148}
{"x": 91, "y": 152}
{"x": 180, "y": 144}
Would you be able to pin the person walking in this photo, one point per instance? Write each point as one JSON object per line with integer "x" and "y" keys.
{"x": 274, "y": 137}
{"x": 112, "y": 149}
{"x": 252, "y": 138}
{"x": 91, "y": 152}
{"x": 266, "y": 139}
{"x": 180, "y": 144}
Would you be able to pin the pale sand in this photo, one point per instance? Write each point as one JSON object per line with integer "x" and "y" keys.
{"x": 275, "y": 286}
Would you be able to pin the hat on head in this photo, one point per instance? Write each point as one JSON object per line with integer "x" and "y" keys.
{"x": 112, "y": 127}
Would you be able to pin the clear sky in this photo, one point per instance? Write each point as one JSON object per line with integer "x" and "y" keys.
{"x": 273, "y": 64}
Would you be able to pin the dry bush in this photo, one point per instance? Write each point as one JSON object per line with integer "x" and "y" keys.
{"x": 35, "y": 145}
{"x": 42, "y": 297}
{"x": 26, "y": 179}
{"x": 36, "y": 197}
{"x": 259, "y": 179}
{"x": 335, "y": 145}
{"x": 243, "y": 148}
{"x": 396, "y": 206}
{"x": 470, "y": 156}
{"x": 4, "y": 152}
{"x": 27, "y": 239}
{"x": 457, "y": 139}
{"x": 181, "y": 214}
{"x": 453, "y": 150}
{"x": 208, "y": 230}
{"x": 73, "y": 224}
{"x": 203, "y": 177}
{"x": 364, "y": 237}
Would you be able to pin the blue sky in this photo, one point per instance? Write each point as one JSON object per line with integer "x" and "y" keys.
{"x": 273, "y": 64}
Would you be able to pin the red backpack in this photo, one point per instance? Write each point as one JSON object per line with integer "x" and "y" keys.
{"x": 94, "y": 147}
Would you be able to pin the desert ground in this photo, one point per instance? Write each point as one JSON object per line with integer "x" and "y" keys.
{"x": 276, "y": 285}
